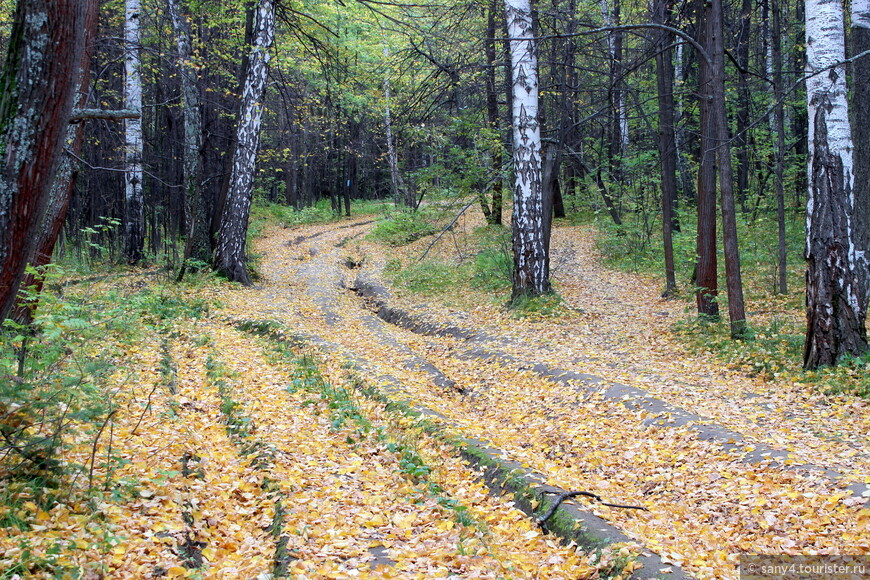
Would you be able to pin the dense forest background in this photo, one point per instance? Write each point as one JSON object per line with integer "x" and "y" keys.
{"x": 654, "y": 118}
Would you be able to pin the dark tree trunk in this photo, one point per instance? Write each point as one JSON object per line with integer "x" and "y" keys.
{"x": 197, "y": 232}
{"x": 64, "y": 181}
{"x": 860, "y": 111}
{"x": 741, "y": 139}
{"x": 779, "y": 144}
{"x": 667, "y": 140}
{"x": 492, "y": 212}
{"x": 37, "y": 92}
{"x": 716, "y": 50}
{"x": 706, "y": 281}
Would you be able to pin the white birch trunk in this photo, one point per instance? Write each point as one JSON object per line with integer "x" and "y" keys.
{"x": 620, "y": 107}
{"x": 531, "y": 263}
{"x": 835, "y": 315}
{"x": 134, "y": 212}
{"x": 230, "y": 253}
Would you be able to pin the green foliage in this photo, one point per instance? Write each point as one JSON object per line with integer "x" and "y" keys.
{"x": 430, "y": 277}
{"x": 548, "y": 305}
{"x": 54, "y": 376}
{"x": 774, "y": 351}
{"x": 404, "y": 227}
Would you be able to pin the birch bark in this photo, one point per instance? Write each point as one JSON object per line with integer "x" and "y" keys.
{"x": 134, "y": 208}
{"x": 230, "y": 252}
{"x": 836, "y": 308}
{"x": 531, "y": 262}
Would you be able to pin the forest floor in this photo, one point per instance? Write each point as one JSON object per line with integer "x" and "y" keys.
{"x": 258, "y": 441}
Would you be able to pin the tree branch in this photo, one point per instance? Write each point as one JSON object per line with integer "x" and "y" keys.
{"x": 117, "y": 115}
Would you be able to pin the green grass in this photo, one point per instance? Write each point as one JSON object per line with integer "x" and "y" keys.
{"x": 403, "y": 227}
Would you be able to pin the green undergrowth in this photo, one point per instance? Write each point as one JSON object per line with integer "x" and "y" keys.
{"x": 264, "y": 213}
{"x": 56, "y": 387}
{"x": 636, "y": 246}
{"x": 774, "y": 351}
{"x": 402, "y": 227}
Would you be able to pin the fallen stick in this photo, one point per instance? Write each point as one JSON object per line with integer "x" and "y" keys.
{"x": 562, "y": 496}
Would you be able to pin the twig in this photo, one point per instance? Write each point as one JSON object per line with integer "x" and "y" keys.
{"x": 562, "y": 496}
{"x": 145, "y": 410}
{"x": 94, "y": 448}
{"x": 444, "y": 231}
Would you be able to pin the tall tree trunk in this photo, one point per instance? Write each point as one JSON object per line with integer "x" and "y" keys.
{"x": 618, "y": 144}
{"x": 230, "y": 253}
{"x": 860, "y": 104}
{"x": 779, "y": 146}
{"x": 741, "y": 139}
{"x": 836, "y": 308}
{"x": 706, "y": 269}
{"x": 492, "y": 213}
{"x": 687, "y": 186}
{"x": 37, "y": 92}
{"x": 134, "y": 207}
{"x": 734, "y": 283}
{"x": 399, "y": 189}
{"x": 667, "y": 139}
{"x": 197, "y": 246}
{"x": 531, "y": 262}
{"x": 64, "y": 181}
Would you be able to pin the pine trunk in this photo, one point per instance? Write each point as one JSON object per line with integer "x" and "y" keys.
{"x": 531, "y": 262}
{"x": 836, "y": 308}
{"x": 37, "y": 91}
{"x": 667, "y": 139}
{"x": 734, "y": 283}
{"x": 861, "y": 130}
{"x": 62, "y": 187}
{"x": 230, "y": 253}
{"x": 706, "y": 269}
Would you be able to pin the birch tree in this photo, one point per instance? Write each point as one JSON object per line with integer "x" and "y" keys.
{"x": 134, "y": 206}
{"x": 836, "y": 305}
{"x": 531, "y": 275}
{"x": 37, "y": 91}
{"x": 230, "y": 252}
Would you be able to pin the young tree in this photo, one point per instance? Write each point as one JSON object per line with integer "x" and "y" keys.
{"x": 134, "y": 207}
{"x": 230, "y": 252}
{"x": 531, "y": 263}
{"x": 37, "y": 91}
{"x": 836, "y": 304}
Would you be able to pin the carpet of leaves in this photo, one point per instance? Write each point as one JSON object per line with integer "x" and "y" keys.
{"x": 706, "y": 506}
{"x": 222, "y": 462}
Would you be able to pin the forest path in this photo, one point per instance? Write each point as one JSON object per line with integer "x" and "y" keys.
{"x": 706, "y": 504}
